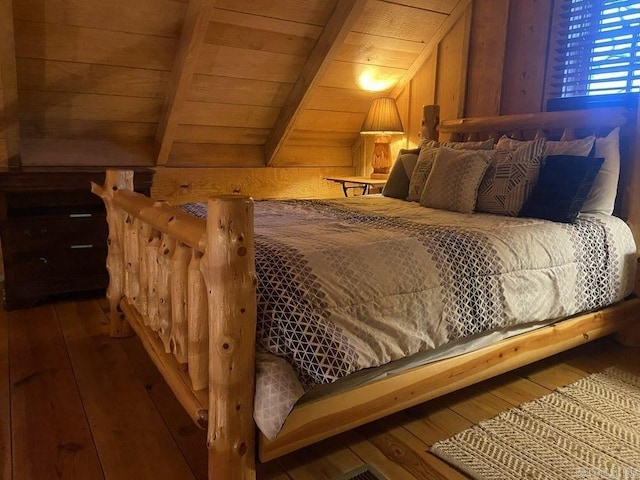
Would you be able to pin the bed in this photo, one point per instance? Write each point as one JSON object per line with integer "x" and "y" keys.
{"x": 184, "y": 279}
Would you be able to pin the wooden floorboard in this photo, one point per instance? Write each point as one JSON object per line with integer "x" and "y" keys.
{"x": 77, "y": 404}
{"x": 186, "y": 434}
{"x": 124, "y": 420}
{"x": 50, "y": 432}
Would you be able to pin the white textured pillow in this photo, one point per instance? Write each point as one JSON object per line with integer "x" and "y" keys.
{"x": 454, "y": 179}
{"x": 602, "y": 197}
{"x": 580, "y": 147}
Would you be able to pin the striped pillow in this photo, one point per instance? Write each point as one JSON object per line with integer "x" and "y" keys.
{"x": 510, "y": 178}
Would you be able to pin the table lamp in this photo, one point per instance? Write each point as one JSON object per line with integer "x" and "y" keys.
{"x": 382, "y": 120}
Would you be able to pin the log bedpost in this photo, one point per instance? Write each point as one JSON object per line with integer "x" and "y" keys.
{"x": 229, "y": 275}
{"x": 430, "y": 119}
{"x": 198, "y": 325}
{"x": 116, "y": 180}
{"x": 179, "y": 302}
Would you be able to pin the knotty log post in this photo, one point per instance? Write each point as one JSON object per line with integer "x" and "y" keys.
{"x": 179, "y": 296}
{"x": 144, "y": 237}
{"x": 131, "y": 259}
{"x": 198, "y": 319}
{"x": 151, "y": 251}
{"x": 229, "y": 275}
{"x": 164, "y": 290}
{"x": 430, "y": 119}
{"x": 115, "y": 180}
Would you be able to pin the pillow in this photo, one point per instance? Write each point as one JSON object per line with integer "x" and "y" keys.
{"x": 579, "y": 147}
{"x": 397, "y": 185}
{"x": 454, "y": 179}
{"x": 422, "y": 169}
{"x": 510, "y": 178}
{"x": 562, "y": 188}
{"x": 602, "y": 197}
{"x": 475, "y": 145}
{"x": 425, "y": 162}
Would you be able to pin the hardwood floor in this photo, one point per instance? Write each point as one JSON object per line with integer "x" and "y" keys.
{"x": 76, "y": 404}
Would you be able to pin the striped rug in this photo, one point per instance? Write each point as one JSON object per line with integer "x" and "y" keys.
{"x": 589, "y": 429}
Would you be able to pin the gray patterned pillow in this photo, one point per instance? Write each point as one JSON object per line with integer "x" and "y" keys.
{"x": 428, "y": 150}
{"x": 454, "y": 179}
{"x": 510, "y": 178}
{"x": 422, "y": 169}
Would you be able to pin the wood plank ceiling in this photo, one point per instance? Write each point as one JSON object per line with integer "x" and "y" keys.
{"x": 226, "y": 83}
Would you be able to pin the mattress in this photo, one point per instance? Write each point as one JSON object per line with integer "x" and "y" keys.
{"x": 352, "y": 284}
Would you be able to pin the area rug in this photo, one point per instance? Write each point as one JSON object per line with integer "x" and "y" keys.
{"x": 589, "y": 429}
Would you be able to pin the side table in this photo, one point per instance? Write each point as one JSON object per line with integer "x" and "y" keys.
{"x": 364, "y": 184}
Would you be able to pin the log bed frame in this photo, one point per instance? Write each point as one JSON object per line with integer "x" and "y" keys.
{"x": 187, "y": 287}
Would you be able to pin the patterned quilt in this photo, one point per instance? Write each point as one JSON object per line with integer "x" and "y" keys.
{"x": 349, "y": 284}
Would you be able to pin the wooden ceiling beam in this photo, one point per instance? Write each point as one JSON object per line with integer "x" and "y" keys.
{"x": 194, "y": 29}
{"x": 9, "y": 119}
{"x": 430, "y": 47}
{"x": 337, "y": 28}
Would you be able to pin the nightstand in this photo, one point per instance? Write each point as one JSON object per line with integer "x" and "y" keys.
{"x": 54, "y": 232}
{"x": 364, "y": 184}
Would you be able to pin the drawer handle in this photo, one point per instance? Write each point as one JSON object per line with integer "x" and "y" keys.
{"x": 82, "y": 246}
{"x": 37, "y": 260}
{"x": 27, "y": 233}
{"x": 80, "y": 215}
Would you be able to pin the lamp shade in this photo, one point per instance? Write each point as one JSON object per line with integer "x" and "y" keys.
{"x": 383, "y": 118}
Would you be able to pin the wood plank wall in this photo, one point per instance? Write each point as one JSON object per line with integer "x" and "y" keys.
{"x": 322, "y": 142}
{"x": 91, "y": 80}
{"x": 441, "y": 80}
{"x": 508, "y": 56}
{"x": 69, "y": 88}
{"x": 9, "y": 127}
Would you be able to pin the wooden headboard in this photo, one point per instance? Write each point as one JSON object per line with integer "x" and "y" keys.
{"x": 565, "y": 125}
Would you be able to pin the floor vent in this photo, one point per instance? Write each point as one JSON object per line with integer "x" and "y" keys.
{"x": 365, "y": 472}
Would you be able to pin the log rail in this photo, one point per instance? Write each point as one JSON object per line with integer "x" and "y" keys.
{"x": 187, "y": 287}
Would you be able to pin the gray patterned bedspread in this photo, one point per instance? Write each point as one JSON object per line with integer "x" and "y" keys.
{"x": 355, "y": 283}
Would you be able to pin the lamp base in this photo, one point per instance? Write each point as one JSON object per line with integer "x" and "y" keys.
{"x": 381, "y": 161}
{"x": 379, "y": 176}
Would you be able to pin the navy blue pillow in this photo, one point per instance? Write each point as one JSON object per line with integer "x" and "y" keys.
{"x": 563, "y": 185}
{"x": 397, "y": 185}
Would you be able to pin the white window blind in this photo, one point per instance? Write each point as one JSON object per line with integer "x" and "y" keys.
{"x": 596, "y": 48}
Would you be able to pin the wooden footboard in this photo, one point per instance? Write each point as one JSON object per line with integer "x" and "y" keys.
{"x": 188, "y": 288}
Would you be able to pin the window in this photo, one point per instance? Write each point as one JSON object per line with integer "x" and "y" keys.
{"x": 596, "y": 48}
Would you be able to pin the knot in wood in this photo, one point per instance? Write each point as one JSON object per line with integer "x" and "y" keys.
{"x": 242, "y": 448}
{"x": 227, "y": 345}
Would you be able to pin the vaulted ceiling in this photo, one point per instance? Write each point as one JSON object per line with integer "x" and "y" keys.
{"x": 241, "y": 83}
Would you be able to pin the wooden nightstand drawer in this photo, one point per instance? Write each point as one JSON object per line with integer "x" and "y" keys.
{"x": 58, "y": 271}
{"x": 53, "y": 233}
